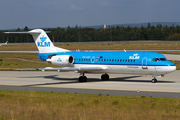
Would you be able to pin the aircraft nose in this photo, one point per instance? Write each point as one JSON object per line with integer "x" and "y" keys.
{"x": 171, "y": 68}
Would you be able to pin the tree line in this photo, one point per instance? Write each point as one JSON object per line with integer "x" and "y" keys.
{"x": 118, "y": 33}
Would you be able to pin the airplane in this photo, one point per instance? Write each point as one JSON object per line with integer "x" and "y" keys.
{"x": 100, "y": 62}
{"x": 4, "y": 43}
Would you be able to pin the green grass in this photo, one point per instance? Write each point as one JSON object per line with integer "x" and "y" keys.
{"x": 11, "y": 61}
{"x": 169, "y": 52}
{"x": 28, "y": 56}
{"x": 11, "y": 64}
{"x": 177, "y": 63}
{"x": 122, "y": 46}
{"x": 68, "y": 106}
{"x": 101, "y": 46}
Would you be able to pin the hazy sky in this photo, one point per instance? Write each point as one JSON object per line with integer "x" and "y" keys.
{"x": 61, "y": 13}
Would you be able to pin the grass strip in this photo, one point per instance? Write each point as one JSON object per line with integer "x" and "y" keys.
{"x": 11, "y": 61}
{"x": 50, "y": 105}
{"x": 101, "y": 46}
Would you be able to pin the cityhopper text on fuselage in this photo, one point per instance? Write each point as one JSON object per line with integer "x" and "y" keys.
{"x": 100, "y": 62}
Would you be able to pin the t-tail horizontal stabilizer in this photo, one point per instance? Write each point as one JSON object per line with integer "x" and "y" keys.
{"x": 42, "y": 41}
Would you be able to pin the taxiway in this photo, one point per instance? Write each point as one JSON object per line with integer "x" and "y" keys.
{"x": 119, "y": 84}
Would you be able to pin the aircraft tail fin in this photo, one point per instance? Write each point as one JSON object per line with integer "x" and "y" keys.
{"x": 42, "y": 41}
{"x": 6, "y": 43}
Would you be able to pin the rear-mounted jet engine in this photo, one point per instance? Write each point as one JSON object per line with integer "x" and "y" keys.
{"x": 61, "y": 60}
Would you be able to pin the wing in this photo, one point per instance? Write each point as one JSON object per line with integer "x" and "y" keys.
{"x": 67, "y": 69}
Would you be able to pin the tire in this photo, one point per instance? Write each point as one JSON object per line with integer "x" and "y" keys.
{"x": 104, "y": 77}
{"x": 153, "y": 81}
{"x": 82, "y": 79}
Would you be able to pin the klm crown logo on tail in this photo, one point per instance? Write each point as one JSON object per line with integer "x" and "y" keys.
{"x": 43, "y": 43}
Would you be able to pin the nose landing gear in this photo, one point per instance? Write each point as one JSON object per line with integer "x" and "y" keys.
{"x": 154, "y": 80}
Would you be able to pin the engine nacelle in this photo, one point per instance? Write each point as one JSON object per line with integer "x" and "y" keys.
{"x": 61, "y": 60}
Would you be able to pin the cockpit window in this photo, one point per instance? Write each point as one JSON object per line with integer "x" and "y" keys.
{"x": 155, "y": 59}
{"x": 158, "y": 59}
{"x": 163, "y": 59}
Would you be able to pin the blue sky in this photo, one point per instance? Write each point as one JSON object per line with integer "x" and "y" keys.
{"x": 61, "y": 13}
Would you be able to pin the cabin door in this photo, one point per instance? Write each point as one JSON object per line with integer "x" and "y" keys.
{"x": 144, "y": 63}
{"x": 92, "y": 59}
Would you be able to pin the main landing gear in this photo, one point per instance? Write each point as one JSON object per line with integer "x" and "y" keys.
{"x": 83, "y": 78}
{"x": 154, "y": 80}
{"x": 104, "y": 77}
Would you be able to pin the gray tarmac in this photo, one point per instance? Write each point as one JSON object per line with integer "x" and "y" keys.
{"x": 119, "y": 84}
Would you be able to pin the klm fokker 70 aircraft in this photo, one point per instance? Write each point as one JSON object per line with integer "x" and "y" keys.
{"x": 100, "y": 62}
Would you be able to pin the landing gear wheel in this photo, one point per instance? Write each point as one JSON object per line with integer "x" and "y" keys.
{"x": 104, "y": 77}
{"x": 154, "y": 80}
{"x": 82, "y": 79}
